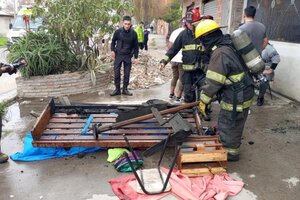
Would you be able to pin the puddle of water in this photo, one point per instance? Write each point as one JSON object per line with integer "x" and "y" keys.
{"x": 15, "y": 123}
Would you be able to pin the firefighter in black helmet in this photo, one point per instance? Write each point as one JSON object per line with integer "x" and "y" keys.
{"x": 193, "y": 55}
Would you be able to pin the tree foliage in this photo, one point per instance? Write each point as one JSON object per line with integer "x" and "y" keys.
{"x": 174, "y": 13}
{"x": 75, "y": 22}
{"x": 146, "y": 10}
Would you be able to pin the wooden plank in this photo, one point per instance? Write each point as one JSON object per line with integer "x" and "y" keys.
{"x": 65, "y": 115}
{"x": 41, "y": 123}
{"x": 81, "y": 125}
{"x": 117, "y": 132}
{"x": 95, "y": 143}
{"x": 112, "y": 115}
{"x": 217, "y": 155}
{"x": 98, "y": 120}
{"x": 202, "y": 171}
{"x": 103, "y": 137}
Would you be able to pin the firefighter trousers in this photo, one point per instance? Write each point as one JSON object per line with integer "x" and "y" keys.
{"x": 188, "y": 79}
{"x": 230, "y": 131}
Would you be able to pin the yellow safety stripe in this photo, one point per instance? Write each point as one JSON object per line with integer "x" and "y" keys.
{"x": 235, "y": 78}
{"x": 191, "y": 47}
{"x": 214, "y": 48}
{"x": 216, "y": 76}
{"x": 206, "y": 99}
{"x": 188, "y": 67}
{"x": 166, "y": 58}
{"x": 239, "y": 107}
{"x": 232, "y": 151}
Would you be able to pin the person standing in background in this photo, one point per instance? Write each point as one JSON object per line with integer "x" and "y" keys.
{"x": 140, "y": 34}
{"x": 124, "y": 45}
{"x": 146, "y": 38}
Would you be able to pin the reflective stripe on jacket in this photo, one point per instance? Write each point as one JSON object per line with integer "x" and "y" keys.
{"x": 190, "y": 50}
{"x": 225, "y": 70}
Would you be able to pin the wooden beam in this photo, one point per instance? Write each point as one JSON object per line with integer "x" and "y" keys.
{"x": 41, "y": 123}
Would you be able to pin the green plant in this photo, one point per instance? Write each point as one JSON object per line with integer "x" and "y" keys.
{"x": 3, "y": 108}
{"x": 3, "y": 41}
{"x": 46, "y": 54}
{"x": 174, "y": 14}
{"x": 76, "y": 21}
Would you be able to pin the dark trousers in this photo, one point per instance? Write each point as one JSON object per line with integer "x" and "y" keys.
{"x": 230, "y": 131}
{"x": 263, "y": 86}
{"x": 188, "y": 79}
{"x": 141, "y": 45}
{"x": 146, "y": 45}
{"x": 126, "y": 61}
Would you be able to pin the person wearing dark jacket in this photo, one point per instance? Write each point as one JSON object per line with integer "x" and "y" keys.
{"x": 190, "y": 56}
{"x": 146, "y": 38}
{"x": 124, "y": 45}
{"x": 228, "y": 76}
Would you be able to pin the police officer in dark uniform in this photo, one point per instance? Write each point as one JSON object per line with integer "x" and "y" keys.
{"x": 227, "y": 75}
{"x": 124, "y": 45}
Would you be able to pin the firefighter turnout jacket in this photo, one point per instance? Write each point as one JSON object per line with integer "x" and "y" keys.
{"x": 190, "y": 50}
{"x": 226, "y": 74}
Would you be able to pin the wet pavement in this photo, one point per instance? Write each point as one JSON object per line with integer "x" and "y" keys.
{"x": 269, "y": 165}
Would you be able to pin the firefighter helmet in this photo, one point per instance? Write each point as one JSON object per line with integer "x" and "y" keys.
{"x": 192, "y": 15}
{"x": 206, "y": 26}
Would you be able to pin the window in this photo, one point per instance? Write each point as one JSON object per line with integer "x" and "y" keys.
{"x": 281, "y": 18}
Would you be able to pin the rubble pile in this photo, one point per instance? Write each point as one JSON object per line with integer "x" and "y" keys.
{"x": 147, "y": 73}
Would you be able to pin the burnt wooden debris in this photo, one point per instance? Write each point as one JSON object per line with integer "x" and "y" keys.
{"x": 68, "y": 126}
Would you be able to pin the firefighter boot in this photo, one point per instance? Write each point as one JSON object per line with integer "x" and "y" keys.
{"x": 126, "y": 92}
{"x": 260, "y": 101}
{"x": 233, "y": 158}
{"x": 116, "y": 92}
{"x": 3, "y": 158}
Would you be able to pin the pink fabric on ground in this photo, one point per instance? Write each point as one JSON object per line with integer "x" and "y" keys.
{"x": 204, "y": 188}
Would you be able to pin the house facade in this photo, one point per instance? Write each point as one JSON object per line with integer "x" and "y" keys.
{"x": 5, "y": 19}
{"x": 282, "y": 20}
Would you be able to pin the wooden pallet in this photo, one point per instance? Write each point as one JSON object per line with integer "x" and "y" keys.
{"x": 56, "y": 128}
{"x": 201, "y": 156}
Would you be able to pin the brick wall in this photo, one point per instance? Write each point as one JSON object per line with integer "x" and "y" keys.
{"x": 237, "y": 14}
{"x": 62, "y": 84}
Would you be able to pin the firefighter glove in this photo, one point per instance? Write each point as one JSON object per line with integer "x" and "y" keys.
{"x": 202, "y": 107}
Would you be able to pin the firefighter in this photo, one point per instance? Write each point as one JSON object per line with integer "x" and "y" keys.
{"x": 10, "y": 69}
{"x": 124, "y": 45}
{"x": 228, "y": 76}
{"x": 190, "y": 55}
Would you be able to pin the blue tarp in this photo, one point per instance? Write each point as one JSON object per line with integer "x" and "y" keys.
{"x": 31, "y": 153}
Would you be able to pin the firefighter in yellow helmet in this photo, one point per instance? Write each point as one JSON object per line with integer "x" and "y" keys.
{"x": 228, "y": 78}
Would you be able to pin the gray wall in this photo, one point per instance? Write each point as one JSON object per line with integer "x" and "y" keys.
{"x": 4, "y": 24}
{"x": 287, "y": 74}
